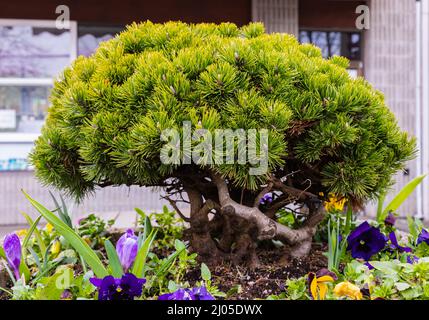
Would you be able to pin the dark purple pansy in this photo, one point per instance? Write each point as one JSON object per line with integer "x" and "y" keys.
{"x": 126, "y": 248}
{"x": 266, "y": 199}
{"x": 12, "y": 250}
{"x": 365, "y": 241}
{"x": 201, "y": 293}
{"x": 126, "y": 288}
{"x": 412, "y": 259}
{"x": 395, "y": 245}
{"x": 423, "y": 237}
{"x": 390, "y": 219}
{"x": 198, "y": 293}
{"x": 180, "y": 294}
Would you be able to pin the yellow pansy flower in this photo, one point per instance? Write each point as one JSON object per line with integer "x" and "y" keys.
{"x": 22, "y": 233}
{"x": 347, "y": 289}
{"x": 318, "y": 283}
{"x": 334, "y": 203}
{"x": 49, "y": 227}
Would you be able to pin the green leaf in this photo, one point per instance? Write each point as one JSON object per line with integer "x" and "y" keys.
{"x": 402, "y": 196}
{"x": 167, "y": 263}
{"x": 2, "y": 254}
{"x": 37, "y": 234}
{"x": 29, "y": 234}
{"x": 72, "y": 237}
{"x": 147, "y": 228}
{"x": 140, "y": 212}
{"x": 205, "y": 272}
{"x": 114, "y": 261}
{"x": 140, "y": 261}
{"x": 62, "y": 210}
{"x": 387, "y": 267}
{"x": 380, "y": 206}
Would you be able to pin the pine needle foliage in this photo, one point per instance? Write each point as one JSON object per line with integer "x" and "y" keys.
{"x": 108, "y": 111}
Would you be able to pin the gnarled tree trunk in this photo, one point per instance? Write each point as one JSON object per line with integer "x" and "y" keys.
{"x": 234, "y": 231}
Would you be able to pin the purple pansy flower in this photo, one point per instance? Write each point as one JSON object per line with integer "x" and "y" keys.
{"x": 12, "y": 250}
{"x": 126, "y": 288}
{"x": 198, "y": 293}
{"x": 201, "y": 293}
{"x": 365, "y": 241}
{"x": 266, "y": 199}
{"x": 423, "y": 237}
{"x": 390, "y": 219}
{"x": 395, "y": 245}
{"x": 412, "y": 259}
{"x": 127, "y": 247}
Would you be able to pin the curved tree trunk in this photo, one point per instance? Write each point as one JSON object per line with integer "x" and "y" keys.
{"x": 238, "y": 227}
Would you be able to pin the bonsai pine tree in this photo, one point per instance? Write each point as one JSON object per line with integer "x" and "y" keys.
{"x": 114, "y": 113}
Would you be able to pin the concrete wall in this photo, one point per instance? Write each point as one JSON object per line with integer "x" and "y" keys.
{"x": 390, "y": 65}
{"x": 109, "y": 202}
{"x": 277, "y": 15}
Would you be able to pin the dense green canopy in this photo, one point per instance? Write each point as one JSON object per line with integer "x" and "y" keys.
{"x": 108, "y": 111}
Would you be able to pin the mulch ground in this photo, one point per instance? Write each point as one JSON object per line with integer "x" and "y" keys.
{"x": 268, "y": 278}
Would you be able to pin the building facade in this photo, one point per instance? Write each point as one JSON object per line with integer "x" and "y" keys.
{"x": 390, "y": 54}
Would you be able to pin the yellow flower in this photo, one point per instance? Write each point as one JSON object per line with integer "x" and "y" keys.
{"x": 318, "y": 285}
{"x": 22, "y": 233}
{"x": 49, "y": 227}
{"x": 334, "y": 203}
{"x": 347, "y": 289}
{"x": 56, "y": 248}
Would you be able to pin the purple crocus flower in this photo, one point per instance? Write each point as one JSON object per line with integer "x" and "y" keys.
{"x": 266, "y": 199}
{"x": 12, "y": 250}
{"x": 127, "y": 247}
{"x": 390, "y": 220}
{"x": 126, "y": 288}
{"x": 395, "y": 245}
{"x": 365, "y": 241}
{"x": 423, "y": 237}
{"x": 198, "y": 293}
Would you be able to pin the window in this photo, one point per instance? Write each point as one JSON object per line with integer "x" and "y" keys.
{"x": 347, "y": 44}
{"x": 32, "y": 54}
{"x": 89, "y": 37}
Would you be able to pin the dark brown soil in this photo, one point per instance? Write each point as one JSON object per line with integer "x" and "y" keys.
{"x": 268, "y": 278}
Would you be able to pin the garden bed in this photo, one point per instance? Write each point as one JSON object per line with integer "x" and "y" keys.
{"x": 269, "y": 278}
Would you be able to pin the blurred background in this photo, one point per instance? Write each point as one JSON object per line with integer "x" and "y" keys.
{"x": 391, "y": 51}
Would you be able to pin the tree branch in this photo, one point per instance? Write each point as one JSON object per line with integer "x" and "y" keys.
{"x": 176, "y": 208}
{"x": 268, "y": 228}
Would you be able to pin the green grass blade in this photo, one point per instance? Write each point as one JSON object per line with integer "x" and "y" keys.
{"x": 72, "y": 237}
{"x": 114, "y": 262}
{"x": 2, "y": 254}
{"x": 402, "y": 196}
{"x": 30, "y": 233}
{"x": 140, "y": 261}
{"x": 37, "y": 234}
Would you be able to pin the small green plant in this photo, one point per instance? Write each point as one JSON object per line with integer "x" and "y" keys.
{"x": 396, "y": 202}
{"x": 337, "y": 244}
